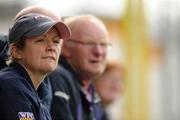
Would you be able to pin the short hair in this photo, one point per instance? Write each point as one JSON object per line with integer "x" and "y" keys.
{"x": 114, "y": 65}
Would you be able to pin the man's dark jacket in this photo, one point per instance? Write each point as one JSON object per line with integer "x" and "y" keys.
{"x": 69, "y": 100}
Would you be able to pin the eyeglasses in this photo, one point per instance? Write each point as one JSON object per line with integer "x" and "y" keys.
{"x": 91, "y": 44}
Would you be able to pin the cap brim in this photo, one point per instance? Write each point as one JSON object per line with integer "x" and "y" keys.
{"x": 41, "y": 29}
{"x": 63, "y": 30}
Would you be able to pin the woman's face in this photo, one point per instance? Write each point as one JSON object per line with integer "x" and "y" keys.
{"x": 40, "y": 54}
{"x": 109, "y": 86}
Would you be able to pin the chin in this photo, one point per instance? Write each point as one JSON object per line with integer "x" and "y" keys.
{"x": 96, "y": 73}
{"x": 49, "y": 69}
{"x": 99, "y": 71}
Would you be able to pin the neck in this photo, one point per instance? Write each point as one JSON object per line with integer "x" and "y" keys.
{"x": 36, "y": 77}
{"x": 85, "y": 84}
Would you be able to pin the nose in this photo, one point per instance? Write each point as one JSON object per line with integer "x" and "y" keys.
{"x": 99, "y": 50}
{"x": 50, "y": 45}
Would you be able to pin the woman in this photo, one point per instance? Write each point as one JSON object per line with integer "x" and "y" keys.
{"x": 110, "y": 88}
{"x": 35, "y": 43}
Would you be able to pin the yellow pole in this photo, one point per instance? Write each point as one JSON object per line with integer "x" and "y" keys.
{"x": 133, "y": 26}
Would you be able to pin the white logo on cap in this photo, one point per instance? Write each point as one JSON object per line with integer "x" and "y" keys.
{"x": 40, "y": 17}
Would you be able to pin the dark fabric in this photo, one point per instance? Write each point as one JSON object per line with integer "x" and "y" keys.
{"x": 45, "y": 93}
{"x": 3, "y": 50}
{"x": 18, "y": 97}
{"x": 69, "y": 101}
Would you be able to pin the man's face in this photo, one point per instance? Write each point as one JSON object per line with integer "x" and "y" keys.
{"x": 41, "y": 54}
{"x": 89, "y": 52}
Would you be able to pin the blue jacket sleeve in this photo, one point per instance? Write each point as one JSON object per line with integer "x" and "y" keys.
{"x": 61, "y": 108}
{"x": 14, "y": 105}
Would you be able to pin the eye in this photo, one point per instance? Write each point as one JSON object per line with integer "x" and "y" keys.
{"x": 56, "y": 40}
{"x": 39, "y": 40}
{"x": 105, "y": 44}
{"x": 90, "y": 43}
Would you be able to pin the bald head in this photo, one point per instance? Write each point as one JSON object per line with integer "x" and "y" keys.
{"x": 86, "y": 25}
{"x": 40, "y": 10}
{"x": 87, "y": 47}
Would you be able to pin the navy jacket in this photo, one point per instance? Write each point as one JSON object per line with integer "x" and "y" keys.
{"x": 18, "y": 97}
{"x": 69, "y": 100}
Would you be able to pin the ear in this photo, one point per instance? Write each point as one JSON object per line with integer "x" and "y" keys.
{"x": 15, "y": 52}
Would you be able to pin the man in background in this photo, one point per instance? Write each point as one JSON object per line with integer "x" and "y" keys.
{"x": 83, "y": 58}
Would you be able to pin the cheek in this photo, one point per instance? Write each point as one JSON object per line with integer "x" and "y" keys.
{"x": 107, "y": 85}
{"x": 34, "y": 55}
{"x": 37, "y": 53}
{"x": 59, "y": 50}
{"x": 79, "y": 56}
{"x": 85, "y": 56}
{"x": 104, "y": 57}
{"x": 83, "y": 53}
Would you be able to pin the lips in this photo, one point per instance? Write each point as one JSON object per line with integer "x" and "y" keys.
{"x": 95, "y": 61}
{"x": 49, "y": 57}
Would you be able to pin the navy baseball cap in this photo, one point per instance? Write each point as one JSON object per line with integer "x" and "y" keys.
{"x": 34, "y": 25}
